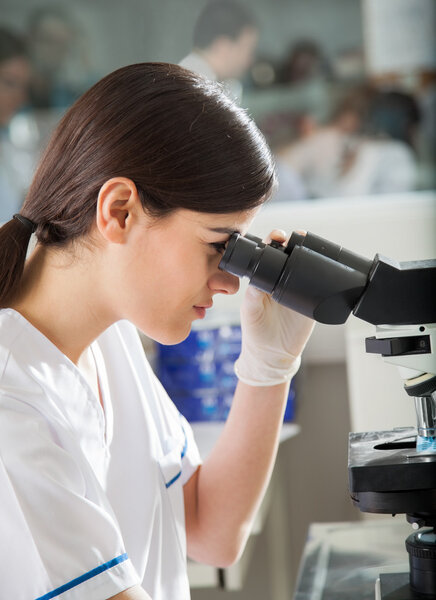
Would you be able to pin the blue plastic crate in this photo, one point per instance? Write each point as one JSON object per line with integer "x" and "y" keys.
{"x": 198, "y": 373}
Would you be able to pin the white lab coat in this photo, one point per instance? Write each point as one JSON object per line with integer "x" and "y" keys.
{"x": 91, "y": 501}
{"x": 380, "y": 166}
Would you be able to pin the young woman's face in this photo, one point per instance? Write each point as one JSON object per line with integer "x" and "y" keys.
{"x": 173, "y": 274}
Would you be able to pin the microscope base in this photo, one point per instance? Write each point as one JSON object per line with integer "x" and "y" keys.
{"x": 395, "y": 586}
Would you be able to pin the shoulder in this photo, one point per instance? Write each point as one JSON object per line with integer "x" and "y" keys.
{"x": 196, "y": 63}
{"x": 387, "y": 150}
{"x": 392, "y": 164}
{"x": 318, "y": 144}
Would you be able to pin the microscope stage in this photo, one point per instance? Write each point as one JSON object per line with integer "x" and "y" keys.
{"x": 388, "y": 475}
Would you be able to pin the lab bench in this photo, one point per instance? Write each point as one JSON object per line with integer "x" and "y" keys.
{"x": 342, "y": 561}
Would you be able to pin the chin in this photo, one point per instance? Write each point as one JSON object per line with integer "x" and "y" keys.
{"x": 168, "y": 337}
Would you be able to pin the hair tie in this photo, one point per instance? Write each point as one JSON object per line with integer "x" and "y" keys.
{"x": 26, "y": 222}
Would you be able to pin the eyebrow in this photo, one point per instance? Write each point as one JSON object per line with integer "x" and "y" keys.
{"x": 227, "y": 230}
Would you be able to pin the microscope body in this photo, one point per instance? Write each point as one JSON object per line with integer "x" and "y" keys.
{"x": 394, "y": 471}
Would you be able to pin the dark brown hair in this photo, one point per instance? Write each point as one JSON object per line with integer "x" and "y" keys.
{"x": 177, "y": 136}
{"x": 11, "y": 45}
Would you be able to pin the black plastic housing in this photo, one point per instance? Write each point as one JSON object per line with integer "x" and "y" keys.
{"x": 399, "y": 293}
{"x": 327, "y": 282}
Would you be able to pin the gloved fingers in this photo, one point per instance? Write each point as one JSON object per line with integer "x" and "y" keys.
{"x": 278, "y": 235}
{"x": 294, "y": 331}
{"x": 254, "y": 304}
{"x": 300, "y": 326}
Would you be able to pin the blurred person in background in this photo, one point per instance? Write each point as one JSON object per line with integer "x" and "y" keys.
{"x": 54, "y": 43}
{"x": 16, "y": 164}
{"x": 427, "y": 132}
{"x": 384, "y": 158}
{"x": 304, "y": 62}
{"x": 279, "y": 129}
{"x": 225, "y": 38}
{"x": 366, "y": 148}
{"x": 316, "y": 158}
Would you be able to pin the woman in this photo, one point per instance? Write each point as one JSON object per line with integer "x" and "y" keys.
{"x": 102, "y": 491}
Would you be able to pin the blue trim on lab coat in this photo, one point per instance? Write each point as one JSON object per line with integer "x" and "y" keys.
{"x": 84, "y": 577}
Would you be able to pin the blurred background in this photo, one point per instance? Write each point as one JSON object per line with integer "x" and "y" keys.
{"x": 345, "y": 93}
{"x": 344, "y": 90}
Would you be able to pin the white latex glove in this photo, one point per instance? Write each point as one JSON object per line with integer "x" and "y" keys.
{"x": 273, "y": 337}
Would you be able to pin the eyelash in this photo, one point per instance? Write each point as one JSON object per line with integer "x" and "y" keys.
{"x": 220, "y": 247}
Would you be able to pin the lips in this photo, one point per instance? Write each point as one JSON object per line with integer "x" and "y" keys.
{"x": 200, "y": 309}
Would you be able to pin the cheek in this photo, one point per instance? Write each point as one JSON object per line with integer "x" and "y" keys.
{"x": 165, "y": 284}
{"x": 161, "y": 280}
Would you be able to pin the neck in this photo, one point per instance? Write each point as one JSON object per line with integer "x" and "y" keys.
{"x": 60, "y": 295}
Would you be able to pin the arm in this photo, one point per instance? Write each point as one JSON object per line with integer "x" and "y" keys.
{"x": 223, "y": 496}
{"x": 133, "y": 593}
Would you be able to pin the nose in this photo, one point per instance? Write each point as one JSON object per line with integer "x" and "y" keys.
{"x": 223, "y": 283}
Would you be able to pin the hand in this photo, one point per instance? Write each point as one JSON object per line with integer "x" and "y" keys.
{"x": 273, "y": 337}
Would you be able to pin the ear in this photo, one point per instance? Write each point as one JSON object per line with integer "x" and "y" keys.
{"x": 118, "y": 207}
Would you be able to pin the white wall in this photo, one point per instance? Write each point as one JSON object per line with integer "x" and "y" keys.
{"x": 402, "y": 227}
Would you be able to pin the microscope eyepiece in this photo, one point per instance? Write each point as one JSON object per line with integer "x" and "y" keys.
{"x": 249, "y": 257}
{"x": 309, "y": 274}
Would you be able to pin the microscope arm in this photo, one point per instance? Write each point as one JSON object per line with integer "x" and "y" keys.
{"x": 327, "y": 282}
{"x": 399, "y": 293}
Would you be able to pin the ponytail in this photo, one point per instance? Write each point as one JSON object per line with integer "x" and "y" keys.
{"x": 14, "y": 240}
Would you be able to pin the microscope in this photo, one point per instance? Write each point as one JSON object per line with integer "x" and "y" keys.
{"x": 390, "y": 472}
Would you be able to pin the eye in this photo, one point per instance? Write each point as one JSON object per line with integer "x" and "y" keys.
{"x": 220, "y": 247}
